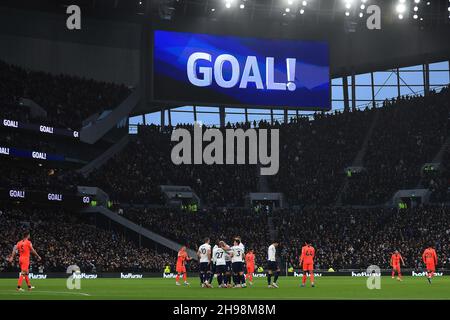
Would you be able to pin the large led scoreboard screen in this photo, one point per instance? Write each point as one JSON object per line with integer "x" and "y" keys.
{"x": 208, "y": 69}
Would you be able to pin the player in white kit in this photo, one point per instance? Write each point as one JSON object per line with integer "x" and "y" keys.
{"x": 213, "y": 263}
{"x": 237, "y": 261}
{"x": 228, "y": 265}
{"x": 221, "y": 265}
{"x": 204, "y": 255}
{"x": 242, "y": 246}
{"x": 272, "y": 265}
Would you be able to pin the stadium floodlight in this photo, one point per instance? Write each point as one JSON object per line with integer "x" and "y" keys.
{"x": 401, "y": 8}
{"x": 348, "y": 5}
{"x": 228, "y": 3}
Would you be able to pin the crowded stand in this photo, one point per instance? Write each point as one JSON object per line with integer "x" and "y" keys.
{"x": 17, "y": 140}
{"x": 65, "y": 239}
{"x": 68, "y": 100}
{"x": 357, "y": 238}
{"x": 33, "y": 176}
{"x": 345, "y": 238}
{"x": 312, "y": 164}
{"x": 136, "y": 173}
{"x": 219, "y": 224}
{"x": 409, "y": 133}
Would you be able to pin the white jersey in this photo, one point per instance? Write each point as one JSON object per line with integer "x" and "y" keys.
{"x": 238, "y": 254}
{"x": 214, "y": 259}
{"x": 203, "y": 250}
{"x": 241, "y": 245}
{"x": 271, "y": 254}
{"x": 227, "y": 256}
{"x": 219, "y": 256}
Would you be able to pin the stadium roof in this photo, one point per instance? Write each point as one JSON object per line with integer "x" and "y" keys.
{"x": 434, "y": 12}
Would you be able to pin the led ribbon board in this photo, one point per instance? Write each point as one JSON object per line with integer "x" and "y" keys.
{"x": 226, "y": 70}
{"x": 14, "y": 124}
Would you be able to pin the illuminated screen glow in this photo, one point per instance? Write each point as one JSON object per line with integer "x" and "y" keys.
{"x": 226, "y": 70}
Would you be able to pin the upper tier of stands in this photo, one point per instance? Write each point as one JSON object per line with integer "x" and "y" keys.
{"x": 408, "y": 133}
{"x": 68, "y": 100}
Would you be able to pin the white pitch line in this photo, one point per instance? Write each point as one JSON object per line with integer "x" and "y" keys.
{"x": 46, "y": 292}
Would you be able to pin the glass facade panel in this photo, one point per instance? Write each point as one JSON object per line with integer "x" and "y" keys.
{"x": 385, "y": 87}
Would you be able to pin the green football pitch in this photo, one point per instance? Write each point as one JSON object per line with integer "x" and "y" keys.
{"x": 328, "y": 288}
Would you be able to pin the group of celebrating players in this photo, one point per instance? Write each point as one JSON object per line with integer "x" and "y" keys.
{"x": 223, "y": 260}
{"x": 227, "y": 263}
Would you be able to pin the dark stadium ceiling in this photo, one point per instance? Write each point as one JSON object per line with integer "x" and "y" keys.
{"x": 434, "y": 12}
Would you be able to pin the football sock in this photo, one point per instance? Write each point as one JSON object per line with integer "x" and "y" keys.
{"x": 27, "y": 280}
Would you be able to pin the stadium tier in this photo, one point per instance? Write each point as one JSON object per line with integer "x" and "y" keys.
{"x": 65, "y": 239}
{"x": 147, "y": 164}
{"x": 356, "y": 238}
{"x": 407, "y": 134}
{"x": 67, "y": 100}
{"x": 214, "y": 223}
